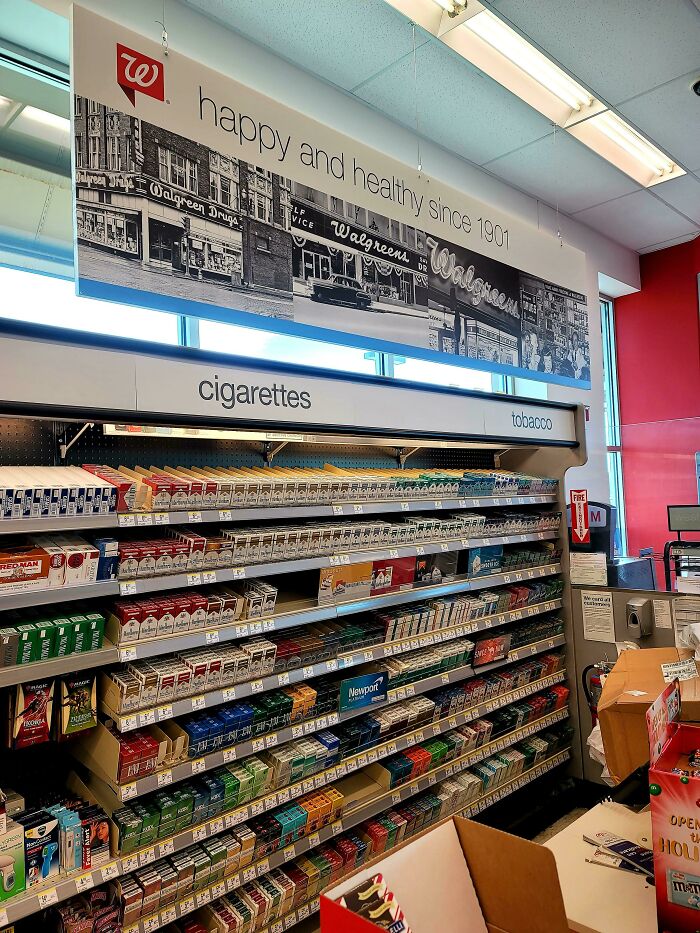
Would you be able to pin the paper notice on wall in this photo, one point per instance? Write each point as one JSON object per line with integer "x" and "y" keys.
{"x": 662, "y": 613}
{"x": 588, "y": 569}
{"x": 598, "y": 618}
{"x": 686, "y": 612}
{"x": 679, "y": 670}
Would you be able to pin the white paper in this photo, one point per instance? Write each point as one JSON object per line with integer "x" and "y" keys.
{"x": 588, "y": 569}
{"x": 662, "y": 613}
{"x": 686, "y": 611}
{"x": 683, "y": 670}
{"x": 598, "y": 618}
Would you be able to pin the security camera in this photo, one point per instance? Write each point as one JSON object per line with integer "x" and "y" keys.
{"x": 696, "y": 87}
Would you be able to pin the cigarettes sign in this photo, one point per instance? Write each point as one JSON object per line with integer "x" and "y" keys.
{"x": 580, "y": 519}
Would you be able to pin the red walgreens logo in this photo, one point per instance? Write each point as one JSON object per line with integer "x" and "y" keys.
{"x": 138, "y": 72}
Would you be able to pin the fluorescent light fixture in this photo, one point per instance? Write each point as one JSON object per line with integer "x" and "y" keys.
{"x": 632, "y": 142}
{"x": 506, "y": 41}
{"x": 504, "y": 55}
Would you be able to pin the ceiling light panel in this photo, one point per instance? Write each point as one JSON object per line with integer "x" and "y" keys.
{"x": 503, "y": 54}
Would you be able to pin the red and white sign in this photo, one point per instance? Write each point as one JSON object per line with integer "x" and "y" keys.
{"x": 580, "y": 519}
{"x": 139, "y": 72}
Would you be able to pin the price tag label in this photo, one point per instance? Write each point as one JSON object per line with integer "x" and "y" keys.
{"x": 400, "y": 693}
{"x": 224, "y": 515}
{"x": 166, "y": 848}
{"x": 194, "y": 517}
{"x": 307, "y": 672}
{"x": 314, "y": 840}
{"x": 241, "y": 631}
{"x": 198, "y": 703}
{"x": 169, "y": 915}
{"x": 233, "y": 819}
{"x": 308, "y": 785}
{"x": 303, "y": 912}
{"x": 342, "y": 770}
{"x": 127, "y": 588}
{"x": 283, "y": 679}
{"x": 462, "y": 503}
{"x": 372, "y": 756}
{"x": 337, "y": 510}
{"x": 164, "y": 712}
{"x": 445, "y": 678}
{"x": 161, "y": 518}
{"x": 257, "y": 686}
{"x": 263, "y": 866}
{"x": 127, "y": 654}
{"x": 361, "y": 761}
{"x": 127, "y": 791}
{"x": 194, "y": 579}
{"x": 249, "y": 874}
{"x": 333, "y": 719}
{"x": 258, "y": 745}
{"x": 129, "y": 863}
{"x": 198, "y": 765}
{"x": 271, "y": 740}
{"x": 506, "y": 578}
{"x": 203, "y": 897}
{"x": 297, "y": 731}
{"x": 144, "y": 519}
{"x": 229, "y": 755}
{"x": 420, "y": 549}
{"x": 165, "y": 778}
{"x": 199, "y": 833}
{"x": 209, "y": 576}
{"x": 145, "y": 857}
{"x": 84, "y": 882}
{"x": 151, "y": 923}
{"x": 228, "y": 694}
{"x": 438, "y": 504}
{"x": 128, "y": 723}
{"x": 344, "y": 558}
{"x": 186, "y": 906}
{"x": 333, "y": 560}
{"x": 393, "y": 553}
{"x": 388, "y": 650}
{"x": 432, "y": 779}
{"x": 405, "y": 507}
{"x": 332, "y": 665}
{"x": 126, "y": 521}
{"x": 147, "y": 717}
{"x": 256, "y": 628}
{"x": 238, "y": 573}
{"x": 218, "y": 890}
{"x": 277, "y": 927}
{"x": 216, "y": 826}
{"x": 358, "y": 508}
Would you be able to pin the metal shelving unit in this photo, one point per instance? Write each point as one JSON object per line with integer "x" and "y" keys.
{"x": 347, "y": 821}
{"x": 195, "y": 766}
{"x": 126, "y": 722}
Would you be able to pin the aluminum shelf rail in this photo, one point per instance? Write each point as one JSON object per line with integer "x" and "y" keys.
{"x": 172, "y": 581}
{"x": 264, "y": 513}
{"x": 195, "y": 766}
{"x": 312, "y": 906}
{"x": 165, "y": 644}
{"x": 347, "y": 821}
{"x": 29, "y": 903}
{"x": 126, "y": 722}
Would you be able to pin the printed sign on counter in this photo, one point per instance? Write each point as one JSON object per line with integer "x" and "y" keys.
{"x": 598, "y": 618}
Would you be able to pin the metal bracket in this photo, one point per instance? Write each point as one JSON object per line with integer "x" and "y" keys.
{"x": 64, "y": 447}
{"x": 403, "y": 453}
{"x": 270, "y": 452}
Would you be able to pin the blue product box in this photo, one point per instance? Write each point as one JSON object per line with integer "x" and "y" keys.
{"x": 485, "y": 560}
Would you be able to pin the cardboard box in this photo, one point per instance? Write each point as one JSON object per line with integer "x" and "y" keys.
{"x": 349, "y": 581}
{"x": 462, "y": 877}
{"x": 629, "y": 690}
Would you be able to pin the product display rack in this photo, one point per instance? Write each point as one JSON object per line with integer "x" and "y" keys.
{"x": 146, "y": 716}
{"x": 195, "y": 766}
{"x": 490, "y": 441}
{"x": 312, "y": 906}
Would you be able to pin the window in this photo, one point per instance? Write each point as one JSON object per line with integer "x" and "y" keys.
{"x": 95, "y": 150}
{"x": 177, "y": 170}
{"x": 113, "y": 153}
{"x": 44, "y": 299}
{"x": 94, "y": 106}
{"x": 262, "y": 243}
{"x": 263, "y": 208}
{"x": 261, "y": 194}
{"x": 442, "y": 374}
{"x": 77, "y": 106}
{"x": 79, "y": 152}
{"x": 612, "y": 421}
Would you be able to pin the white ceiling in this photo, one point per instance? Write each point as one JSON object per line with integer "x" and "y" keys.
{"x": 640, "y": 56}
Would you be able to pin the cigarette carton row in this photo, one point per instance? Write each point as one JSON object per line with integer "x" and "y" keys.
{"x": 52, "y": 492}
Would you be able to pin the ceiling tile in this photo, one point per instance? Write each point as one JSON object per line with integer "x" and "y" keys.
{"x": 344, "y": 43}
{"x": 636, "y": 220}
{"x": 459, "y": 107}
{"x": 683, "y": 194}
{"x": 665, "y": 244}
{"x": 618, "y": 48}
{"x": 568, "y": 173}
{"x": 670, "y": 115}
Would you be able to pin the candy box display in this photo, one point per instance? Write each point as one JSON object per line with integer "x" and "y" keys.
{"x": 674, "y": 792}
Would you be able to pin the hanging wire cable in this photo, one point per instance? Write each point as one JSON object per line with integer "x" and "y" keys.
{"x": 557, "y": 183}
{"x": 415, "y": 98}
{"x": 164, "y": 34}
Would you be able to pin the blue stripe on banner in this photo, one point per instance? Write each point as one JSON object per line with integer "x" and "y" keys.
{"x": 137, "y": 297}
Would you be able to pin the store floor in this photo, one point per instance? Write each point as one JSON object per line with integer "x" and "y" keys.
{"x": 559, "y": 825}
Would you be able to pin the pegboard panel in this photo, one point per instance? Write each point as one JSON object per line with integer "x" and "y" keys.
{"x": 25, "y": 441}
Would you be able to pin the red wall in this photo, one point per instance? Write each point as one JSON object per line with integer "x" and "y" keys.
{"x": 658, "y": 355}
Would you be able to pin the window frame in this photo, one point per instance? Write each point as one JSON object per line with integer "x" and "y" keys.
{"x": 611, "y": 418}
